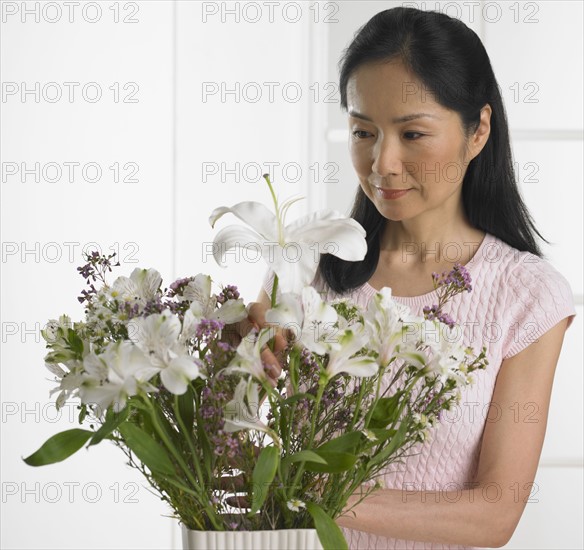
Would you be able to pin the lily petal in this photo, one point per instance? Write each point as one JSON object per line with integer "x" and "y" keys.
{"x": 255, "y": 214}
{"x": 233, "y": 236}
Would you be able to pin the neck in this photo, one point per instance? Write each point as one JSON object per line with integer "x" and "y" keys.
{"x": 443, "y": 238}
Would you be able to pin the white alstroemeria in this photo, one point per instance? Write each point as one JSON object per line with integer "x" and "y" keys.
{"x": 447, "y": 352}
{"x": 242, "y": 412}
{"x": 313, "y": 321}
{"x": 157, "y": 336}
{"x": 160, "y": 336}
{"x": 292, "y": 251}
{"x": 141, "y": 286}
{"x": 55, "y": 330}
{"x": 69, "y": 380}
{"x": 114, "y": 375}
{"x": 387, "y": 322}
{"x": 204, "y": 303}
{"x": 247, "y": 357}
{"x": 340, "y": 360}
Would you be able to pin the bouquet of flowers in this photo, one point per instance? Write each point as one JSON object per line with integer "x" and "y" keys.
{"x": 161, "y": 373}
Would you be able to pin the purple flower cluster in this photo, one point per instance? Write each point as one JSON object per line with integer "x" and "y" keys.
{"x": 434, "y": 312}
{"x": 208, "y": 329}
{"x": 423, "y": 405}
{"x": 153, "y": 306}
{"x": 212, "y": 402}
{"x": 95, "y": 269}
{"x": 178, "y": 286}
{"x": 131, "y": 310}
{"x": 449, "y": 284}
{"x": 225, "y": 444}
{"x": 458, "y": 279}
{"x": 229, "y": 292}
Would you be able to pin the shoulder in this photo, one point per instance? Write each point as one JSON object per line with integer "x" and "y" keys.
{"x": 532, "y": 295}
{"x": 531, "y": 281}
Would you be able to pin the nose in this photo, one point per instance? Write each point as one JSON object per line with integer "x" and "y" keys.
{"x": 387, "y": 158}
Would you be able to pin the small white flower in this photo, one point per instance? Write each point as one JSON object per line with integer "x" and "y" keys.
{"x": 295, "y": 505}
{"x": 369, "y": 435}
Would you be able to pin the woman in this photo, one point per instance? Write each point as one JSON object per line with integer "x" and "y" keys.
{"x": 429, "y": 142}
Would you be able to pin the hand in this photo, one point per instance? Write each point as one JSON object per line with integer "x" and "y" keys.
{"x": 256, "y": 319}
{"x": 273, "y": 359}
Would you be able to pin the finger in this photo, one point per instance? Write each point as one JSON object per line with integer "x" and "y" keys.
{"x": 256, "y": 313}
{"x": 280, "y": 341}
{"x": 271, "y": 365}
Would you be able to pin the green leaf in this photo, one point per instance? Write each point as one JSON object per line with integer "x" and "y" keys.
{"x": 263, "y": 474}
{"x": 329, "y": 533}
{"x": 335, "y": 462}
{"x": 303, "y": 456}
{"x": 394, "y": 444}
{"x": 112, "y": 421}
{"x": 345, "y": 443}
{"x": 75, "y": 342}
{"x": 385, "y": 411}
{"x": 186, "y": 408}
{"x": 59, "y": 447}
{"x": 151, "y": 453}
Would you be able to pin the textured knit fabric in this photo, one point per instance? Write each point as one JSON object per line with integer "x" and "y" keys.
{"x": 516, "y": 298}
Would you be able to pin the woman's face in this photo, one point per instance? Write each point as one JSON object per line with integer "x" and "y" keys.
{"x": 407, "y": 150}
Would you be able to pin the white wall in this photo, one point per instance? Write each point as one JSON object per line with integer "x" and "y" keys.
{"x": 176, "y": 136}
{"x": 164, "y": 51}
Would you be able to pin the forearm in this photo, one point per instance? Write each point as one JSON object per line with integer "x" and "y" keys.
{"x": 463, "y": 517}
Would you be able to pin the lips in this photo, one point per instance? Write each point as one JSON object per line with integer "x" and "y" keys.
{"x": 391, "y": 194}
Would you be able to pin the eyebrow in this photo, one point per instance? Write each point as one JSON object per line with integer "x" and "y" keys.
{"x": 405, "y": 118}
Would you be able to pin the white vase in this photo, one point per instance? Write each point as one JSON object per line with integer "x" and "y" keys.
{"x": 281, "y": 539}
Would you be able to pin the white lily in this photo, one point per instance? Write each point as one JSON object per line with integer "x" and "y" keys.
{"x": 341, "y": 360}
{"x": 140, "y": 287}
{"x": 313, "y": 320}
{"x": 114, "y": 375}
{"x": 292, "y": 251}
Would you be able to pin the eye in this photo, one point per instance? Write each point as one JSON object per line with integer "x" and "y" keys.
{"x": 416, "y": 135}
{"x": 360, "y": 134}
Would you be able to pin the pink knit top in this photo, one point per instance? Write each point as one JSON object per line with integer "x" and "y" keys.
{"x": 516, "y": 298}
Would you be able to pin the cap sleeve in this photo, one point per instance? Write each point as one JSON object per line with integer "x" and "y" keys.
{"x": 538, "y": 297}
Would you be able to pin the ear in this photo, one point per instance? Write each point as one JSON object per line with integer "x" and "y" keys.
{"x": 481, "y": 135}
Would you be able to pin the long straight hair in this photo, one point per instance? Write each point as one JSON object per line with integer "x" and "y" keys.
{"x": 452, "y": 63}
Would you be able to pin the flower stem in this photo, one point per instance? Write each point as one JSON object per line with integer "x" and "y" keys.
{"x": 300, "y": 471}
{"x": 169, "y": 445}
{"x": 276, "y": 207}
